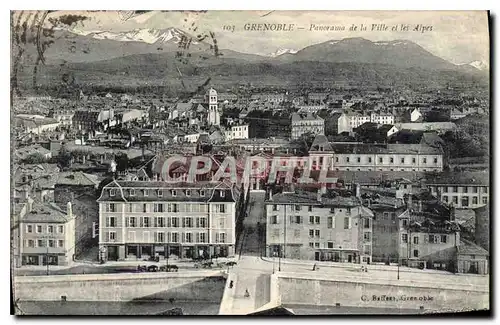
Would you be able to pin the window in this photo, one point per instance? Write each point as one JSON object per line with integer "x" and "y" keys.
{"x": 202, "y": 193}
{"x": 444, "y": 238}
{"x": 298, "y": 208}
{"x": 160, "y": 193}
{"x": 112, "y": 192}
{"x": 60, "y": 229}
{"x": 445, "y": 189}
{"x": 41, "y": 243}
{"x": 404, "y": 238}
{"x": 318, "y": 220}
{"x": 146, "y": 192}
{"x": 413, "y": 160}
{"x": 29, "y": 228}
{"x": 424, "y": 160}
{"x": 132, "y": 192}
{"x": 158, "y": 207}
{"x": 455, "y": 189}
{"x": 316, "y": 245}
{"x": 347, "y": 222}
{"x": 274, "y": 220}
{"x": 311, "y": 245}
{"x": 455, "y": 200}
{"x": 60, "y": 243}
{"x": 485, "y": 200}
{"x": 366, "y": 223}
{"x": 316, "y": 233}
{"x": 131, "y": 222}
{"x": 203, "y": 222}
{"x": 221, "y": 237}
{"x": 329, "y": 223}
{"x": 485, "y": 189}
{"x": 51, "y": 243}
{"x": 220, "y": 208}
{"x": 311, "y": 233}
{"x": 474, "y": 189}
{"x": 347, "y": 159}
{"x": 381, "y": 160}
{"x": 145, "y": 222}
{"x": 111, "y": 207}
{"x": 50, "y": 229}
{"x": 415, "y": 253}
{"x": 275, "y": 207}
{"x": 189, "y": 237}
{"x": 435, "y": 160}
{"x": 330, "y": 244}
{"x": 159, "y": 237}
{"x": 405, "y": 222}
{"x": 311, "y": 220}
{"x": 203, "y": 237}
{"x": 111, "y": 222}
{"x": 174, "y": 193}
{"x": 336, "y": 159}
{"x": 159, "y": 222}
{"x": 465, "y": 201}
{"x": 187, "y": 222}
{"x": 465, "y": 189}
{"x": 445, "y": 199}
{"x": 391, "y": 160}
{"x": 188, "y": 193}
{"x": 474, "y": 200}
{"x": 144, "y": 207}
{"x": 402, "y": 160}
{"x": 38, "y": 228}
{"x": 369, "y": 159}
{"x": 348, "y": 211}
{"x": 175, "y": 222}
{"x": 359, "y": 159}
{"x": 432, "y": 240}
{"x": 415, "y": 240}
{"x": 310, "y": 208}
{"x": 175, "y": 237}
{"x": 222, "y": 193}
{"x": 366, "y": 236}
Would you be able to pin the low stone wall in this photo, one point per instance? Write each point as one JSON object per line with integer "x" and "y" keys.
{"x": 189, "y": 286}
{"x": 362, "y": 293}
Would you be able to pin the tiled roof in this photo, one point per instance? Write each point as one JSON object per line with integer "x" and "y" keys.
{"x": 77, "y": 179}
{"x": 469, "y": 248}
{"x": 45, "y": 213}
{"x": 311, "y": 198}
{"x": 462, "y": 178}
{"x": 391, "y": 148}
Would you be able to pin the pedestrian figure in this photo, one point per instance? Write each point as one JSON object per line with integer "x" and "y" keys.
{"x": 247, "y": 294}
{"x": 231, "y": 284}
{"x": 314, "y": 267}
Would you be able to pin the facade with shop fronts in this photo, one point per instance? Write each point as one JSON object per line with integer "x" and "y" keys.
{"x": 152, "y": 220}
{"x": 47, "y": 235}
{"x": 322, "y": 226}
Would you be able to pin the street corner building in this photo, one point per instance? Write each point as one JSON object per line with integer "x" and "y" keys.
{"x": 156, "y": 220}
{"x": 322, "y": 225}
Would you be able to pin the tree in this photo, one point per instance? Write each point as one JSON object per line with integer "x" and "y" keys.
{"x": 64, "y": 157}
{"x": 35, "y": 158}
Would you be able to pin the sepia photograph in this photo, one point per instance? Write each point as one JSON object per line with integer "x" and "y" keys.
{"x": 258, "y": 163}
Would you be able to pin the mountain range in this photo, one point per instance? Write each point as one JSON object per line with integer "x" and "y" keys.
{"x": 145, "y": 54}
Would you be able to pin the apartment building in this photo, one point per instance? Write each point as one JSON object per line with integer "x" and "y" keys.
{"x": 322, "y": 226}
{"x": 349, "y": 121}
{"x": 465, "y": 190}
{"x": 236, "y": 132}
{"x": 47, "y": 235}
{"x": 307, "y": 123}
{"x": 139, "y": 220}
{"x": 390, "y": 157}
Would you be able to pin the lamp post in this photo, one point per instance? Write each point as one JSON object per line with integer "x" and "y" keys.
{"x": 399, "y": 262}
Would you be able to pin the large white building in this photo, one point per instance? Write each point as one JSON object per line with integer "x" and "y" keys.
{"x": 348, "y": 122}
{"x": 307, "y": 123}
{"x": 140, "y": 220}
{"x": 237, "y": 132}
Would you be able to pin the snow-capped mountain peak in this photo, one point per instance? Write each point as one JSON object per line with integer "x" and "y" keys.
{"x": 281, "y": 52}
{"x": 145, "y": 35}
{"x": 480, "y": 65}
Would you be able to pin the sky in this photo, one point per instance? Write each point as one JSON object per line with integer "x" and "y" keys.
{"x": 457, "y": 36}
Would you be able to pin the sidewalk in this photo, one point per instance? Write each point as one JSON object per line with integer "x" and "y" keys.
{"x": 352, "y": 266}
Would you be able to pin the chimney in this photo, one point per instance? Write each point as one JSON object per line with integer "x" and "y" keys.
{"x": 419, "y": 205}
{"x": 69, "y": 210}
{"x": 357, "y": 190}
{"x": 30, "y": 204}
{"x": 270, "y": 194}
{"x": 323, "y": 188}
{"x": 83, "y": 158}
{"x": 319, "y": 196}
{"x": 409, "y": 203}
